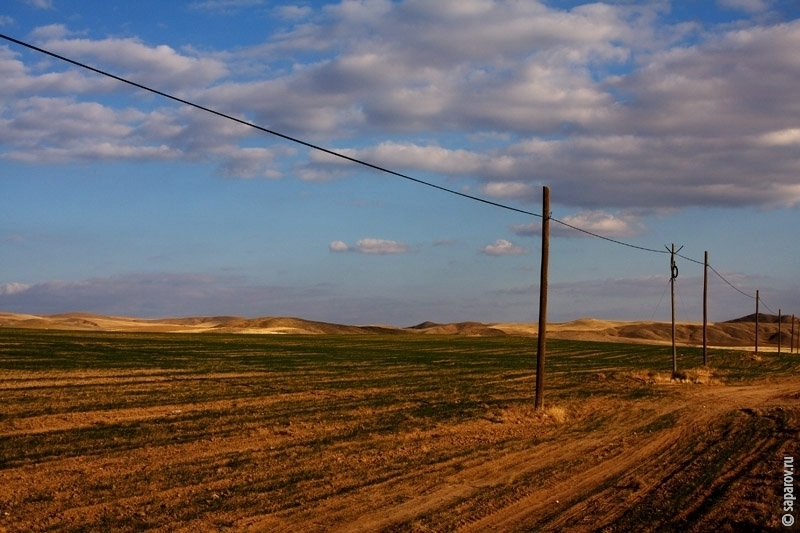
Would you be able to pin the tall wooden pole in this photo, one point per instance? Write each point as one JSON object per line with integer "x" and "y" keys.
{"x": 756, "y": 320}
{"x": 542, "y": 346}
{"x": 673, "y": 275}
{"x": 791, "y": 344}
{"x": 705, "y": 312}
{"x": 779, "y": 331}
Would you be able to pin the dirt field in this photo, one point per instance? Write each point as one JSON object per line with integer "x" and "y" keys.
{"x": 164, "y": 432}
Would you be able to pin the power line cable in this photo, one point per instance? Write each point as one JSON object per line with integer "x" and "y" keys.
{"x": 726, "y": 281}
{"x": 263, "y": 129}
{"x": 608, "y": 238}
{"x": 314, "y": 146}
{"x": 331, "y": 152}
{"x": 765, "y": 305}
{"x": 731, "y": 284}
{"x": 666, "y": 286}
{"x": 690, "y": 259}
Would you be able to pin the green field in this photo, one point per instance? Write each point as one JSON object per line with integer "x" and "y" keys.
{"x": 121, "y": 431}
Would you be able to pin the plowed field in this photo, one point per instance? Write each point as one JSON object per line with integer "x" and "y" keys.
{"x": 164, "y": 432}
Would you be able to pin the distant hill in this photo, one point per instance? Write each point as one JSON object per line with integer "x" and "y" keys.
{"x": 763, "y": 318}
{"x": 738, "y": 332}
{"x": 287, "y": 325}
{"x": 475, "y": 329}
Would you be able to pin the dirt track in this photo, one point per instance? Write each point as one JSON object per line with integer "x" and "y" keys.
{"x": 171, "y": 450}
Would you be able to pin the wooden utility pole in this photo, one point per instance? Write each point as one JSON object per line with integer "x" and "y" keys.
{"x": 542, "y": 346}
{"x": 673, "y": 270}
{"x": 779, "y": 331}
{"x": 705, "y": 311}
{"x": 791, "y": 343}
{"x": 756, "y": 320}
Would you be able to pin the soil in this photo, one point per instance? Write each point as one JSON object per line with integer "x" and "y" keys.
{"x": 209, "y": 453}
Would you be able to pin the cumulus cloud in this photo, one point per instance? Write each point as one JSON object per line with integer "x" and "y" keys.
{"x": 371, "y": 246}
{"x": 339, "y": 246}
{"x": 510, "y": 189}
{"x": 408, "y": 155}
{"x": 160, "y": 66}
{"x": 610, "y": 105}
{"x": 598, "y": 222}
{"x": 503, "y": 247}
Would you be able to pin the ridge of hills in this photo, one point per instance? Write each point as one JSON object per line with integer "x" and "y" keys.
{"x": 736, "y": 332}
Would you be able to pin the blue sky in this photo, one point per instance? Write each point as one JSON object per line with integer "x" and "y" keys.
{"x": 651, "y": 122}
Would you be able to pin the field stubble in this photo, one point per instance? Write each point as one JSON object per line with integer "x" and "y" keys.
{"x": 132, "y": 432}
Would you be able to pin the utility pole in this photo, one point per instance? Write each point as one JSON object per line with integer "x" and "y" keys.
{"x": 542, "y": 340}
{"x": 791, "y": 343}
{"x": 673, "y": 272}
{"x": 756, "y": 321}
{"x": 779, "y": 331}
{"x": 705, "y": 311}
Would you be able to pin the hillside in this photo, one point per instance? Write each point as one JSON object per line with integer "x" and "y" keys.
{"x": 736, "y": 332}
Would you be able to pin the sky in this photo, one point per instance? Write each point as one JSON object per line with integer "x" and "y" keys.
{"x": 653, "y": 123}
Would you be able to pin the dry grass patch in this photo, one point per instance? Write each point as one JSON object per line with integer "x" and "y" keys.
{"x": 696, "y": 376}
{"x": 528, "y": 414}
{"x": 556, "y": 414}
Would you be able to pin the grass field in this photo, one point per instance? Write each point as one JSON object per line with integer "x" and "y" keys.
{"x": 134, "y": 432}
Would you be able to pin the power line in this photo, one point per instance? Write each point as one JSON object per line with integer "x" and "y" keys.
{"x": 314, "y": 146}
{"x": 731, "y": 284}
{"x": 719, "y": 275}
{"x": 608, "y": 238}
{"x": 340, "y": 155}
{"x": 765, "y": 305}
{"x": 263, "y": 129}
{"x": 728, "y": 282}
{"x": 690, "y": 259}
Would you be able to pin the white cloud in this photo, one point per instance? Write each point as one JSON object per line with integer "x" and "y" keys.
{"x": 13, "y": 288}
{"x": 381, "y": 246}
{"x": 5, "y": 20}
{"x": 787, "y": 137}
{"x": 677, "y": 124}
{"x": 599, "y": 222}
{"x": 604, "y": 224}
{"x": 159, "y": 66}
{"x": 503, "y": 247}
{"x": 49, "y": 32}
{"x": 509, "y": 189}
{"x": 339, "y": 246}
{"x": 411, "y": 156}
{"x": 290, "y": 12}
{"x": 371, "y": 246}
